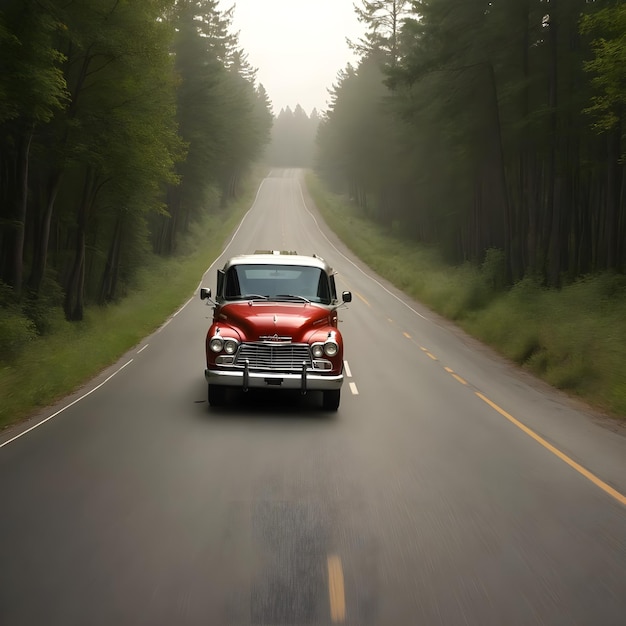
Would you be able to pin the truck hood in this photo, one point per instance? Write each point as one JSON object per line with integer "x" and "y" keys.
{"x": 266, "y": 319}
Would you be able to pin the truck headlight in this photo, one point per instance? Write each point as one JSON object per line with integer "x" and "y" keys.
{"x": 331, "y": 348}
{"x": 230, "y": 346}
{"x": 216, "y": 344}
{"x": 318, "y": 350}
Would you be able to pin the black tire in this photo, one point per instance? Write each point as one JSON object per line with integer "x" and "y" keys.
{"x": 217, "y": 395}
{"x": 331, "y": 399}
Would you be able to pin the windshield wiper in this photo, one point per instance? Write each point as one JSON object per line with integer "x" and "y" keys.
{"x": 292, "y": 297}
{"x": 250, "y": 296}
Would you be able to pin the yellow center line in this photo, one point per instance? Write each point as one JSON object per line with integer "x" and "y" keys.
{"x": 548, "y": 446}
{"x": 451, "y": 371}
{"x": 620, "y": 497}
{"x": 336, "y": 589}
{"x": 360, "y": 297}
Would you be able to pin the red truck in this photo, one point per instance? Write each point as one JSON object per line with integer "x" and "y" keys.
{"x": 275, "y": 325}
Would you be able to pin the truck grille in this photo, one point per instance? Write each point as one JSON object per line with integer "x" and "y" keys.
{"x": 280, "y": 357}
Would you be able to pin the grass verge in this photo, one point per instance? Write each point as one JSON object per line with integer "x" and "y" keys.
{"x": 573, "y": 338}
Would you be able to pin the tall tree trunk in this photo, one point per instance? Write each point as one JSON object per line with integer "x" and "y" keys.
{"x": 553, "y": 206}
{"x": 523, "y": 251}
{"x": 74, "y": 294}
{"x": 111, "y": 270}
{"x": 40, "y": 252}
{"x": 621, "y": 239}
{"x": 500, "y": 218}
{"x": 7, "y": 205}
{"x": 21, "y": 209}
{"x": 613, "y": 193}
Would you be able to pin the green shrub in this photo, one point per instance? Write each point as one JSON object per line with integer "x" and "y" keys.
{"x": 45, "y": 308}
{"x": 493, "y": 269}
{"x": 16, "y": 332}
{"x": 7, "y": 296}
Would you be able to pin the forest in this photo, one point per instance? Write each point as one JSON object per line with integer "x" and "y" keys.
{"x": 293, "y": 138}
{"x": 121, "y": 123}
{"x": 493, "y": 130}
{"x": 489, "y": 128}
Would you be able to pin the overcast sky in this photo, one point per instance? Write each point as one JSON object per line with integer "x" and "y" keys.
{"x": 298, "y": 46}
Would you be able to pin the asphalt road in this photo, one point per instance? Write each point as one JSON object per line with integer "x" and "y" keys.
{"x": 448, "y": 489}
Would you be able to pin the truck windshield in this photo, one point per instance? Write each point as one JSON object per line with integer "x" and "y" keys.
{"x": 278, "y": 282}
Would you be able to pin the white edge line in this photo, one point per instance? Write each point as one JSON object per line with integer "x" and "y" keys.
{"x": 347, "y": 368}
{"x": 354, "y": 264}
{"x": 166, "y": 323}
{"x": 182, "y": 307}
{"x": 67, "y": 406}
{"x": 142, "y": 349}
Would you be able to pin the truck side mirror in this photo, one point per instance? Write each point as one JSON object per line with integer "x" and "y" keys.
{"x": 205, "y": 293}
{"x": 346, "y": 296}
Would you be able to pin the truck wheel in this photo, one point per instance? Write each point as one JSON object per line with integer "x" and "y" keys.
{"x": 217, "y": 395}
{"x": 331, "y": 399}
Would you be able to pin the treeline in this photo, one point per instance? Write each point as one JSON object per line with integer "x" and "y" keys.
{"x": 121, "y": 123}
{"x": 293, "y": 139}
{"x": 489, "y": 124}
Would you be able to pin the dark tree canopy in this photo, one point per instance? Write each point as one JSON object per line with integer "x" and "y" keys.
{"x": 488, "y": 124}
{"x": 121, "y": 123}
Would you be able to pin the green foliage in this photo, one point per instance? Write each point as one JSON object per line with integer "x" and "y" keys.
{"x": 608, "y": 66}
{"x": 493, "y": 269}
{"x": 16, "y": 332}
{"x": 223, "y": 119}
{"x": 31, "y": 77}
{"x": 383, "y": 20}
{"x": 510, "y": 321}
{"x": 456, "y": 294}
{"x": 44, "y": 309}
{"x": 574, "y": 338}
{"x": 121, "y": 125}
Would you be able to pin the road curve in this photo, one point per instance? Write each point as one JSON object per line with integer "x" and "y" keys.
{"x": 450, "y": 488}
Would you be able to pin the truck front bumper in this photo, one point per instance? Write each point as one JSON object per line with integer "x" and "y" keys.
{"x": 245, "y": 379}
